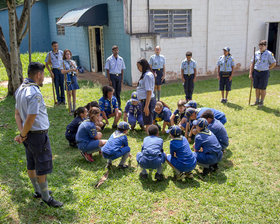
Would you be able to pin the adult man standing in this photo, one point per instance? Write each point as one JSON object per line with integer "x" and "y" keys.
{"x": 114, "y": 66}
{"x": 264, "y": 61}
{"x": 55, "y": 59}
{"x": 157, "y": 62}
{"x": 32, "y": 121}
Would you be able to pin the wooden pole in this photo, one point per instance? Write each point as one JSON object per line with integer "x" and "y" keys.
{"x": 252, "y": 78}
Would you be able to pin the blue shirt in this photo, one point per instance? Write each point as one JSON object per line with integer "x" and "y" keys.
{"x": 86, "y": 132}
{"x": 152, "y": 145}
{"x": 188, "y": 66}
{"x": 184, "y": 156}
{"x": 157, "y": 61}
{"x": 131, "y": 109}
{"x": 69, "y": 65}
{"x": 263, "y": 60}
{"x": 226, "y": 63}
{"x": 165, "y": 115}
{"x": 218, "y": 129}
{"x": 107, "y": 105}
{"x": 56, "y": 59}
{"x": 208, "y": 141}
{"x": 116, "y": 141}
{"x": 114, "y": 65}
{"x": 217, "y": 114}
{"x": 29, "y": 100}
{"x": 146, "y": 84}
{"x": 72, "y": 128}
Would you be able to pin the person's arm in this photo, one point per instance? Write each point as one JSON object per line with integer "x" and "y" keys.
{"x": 18, "y": 120}
{"x": 172, "y": 119}
{"x": 272, "y": 65}
{"x": 182, "y": 74}
{"x": 122, "y": 77}
{"x": 147, "y": 103}
{"x": 195, "y": 72}
{"x": 232, "y": 70}
{"x": 187, "y": 129}
{"x": 251, "y": 71}
{"x": 26, "y": 127}
{"x": 218, "y": 75}
{"x": 164, "y": 126}
{"x": 105, "y": 117}
{"x": 163, "y": 72}
{"x": 108, "y": 76}
{"x": 125, "y": 116}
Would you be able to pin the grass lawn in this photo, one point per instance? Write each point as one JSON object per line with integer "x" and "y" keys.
{"x": 246, "y": 188}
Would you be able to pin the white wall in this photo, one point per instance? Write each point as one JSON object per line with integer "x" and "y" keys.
{"x": 227, "y": 26}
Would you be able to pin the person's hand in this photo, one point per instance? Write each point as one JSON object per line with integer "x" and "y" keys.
{"x": 20, "y": 139}
{"x": 107, "y": 122}
{"x": 183, "y": 80}
{"x": 189, "y": 139}
{"x": 201, "y": 149}
{"x": 218, "y": 77}
{"x": 162, "y": 78}
{"x": 110, "y": 83}
{"x": 163, "y": 132}
{"x": 146, "y": 111}
{"x": 250, "y": 76}
{"x": 230, "y": 78}
{"x": 52, "y": 75}
{"x": 194, "y": 79}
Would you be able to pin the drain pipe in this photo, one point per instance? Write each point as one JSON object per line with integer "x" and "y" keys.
{"x": 130, "y": 16}
{"x": 207, "y": 37}
{"x": 148, "y": 7}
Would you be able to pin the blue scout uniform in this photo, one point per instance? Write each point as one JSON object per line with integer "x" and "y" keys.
{"x": 212, "y": 153}
{"x": 72, "y": 128}
{"x": 181, "y": 156}
{"x": 164, "y": 115}
{"x": 151, "y": 155}
{"x": 178, "y": 116}
{"x": 147, "y": 84}
{"x": 116, "y": 146}
{"x": 261, "y": 68}
{"x": 217, "y": 114}
{"x": 108, "y": 106}
{"x": 85, "y": 137}
{"x": 115, "y": 67}
{"x": 188, "y": 67}
{"x": 71, "y": 77}
{"x": 157, "y": 62}
{"x": 57, "y": 64}
{"x": 218, "y": 129}
{"x": 134, "y": 113}
{"x": 29, "y": 100}
{"x": 225, "y": 63}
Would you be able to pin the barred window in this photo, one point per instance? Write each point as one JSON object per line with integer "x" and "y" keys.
{"x": 171, "y": 23}
{"x": 60, "y": 30}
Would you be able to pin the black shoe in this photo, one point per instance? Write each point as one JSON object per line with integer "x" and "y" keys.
{"x": 53, "y": 203}
{"x": 73, "y": 144}
{"x": 123, "y": 166}
{"x": 206, "y": 171}
{"x": 143, "y": 176}
{"x": 109, "y": 166}
{"x": 214, "y": 167}
{"x": 102, "y": 128}
{"x": 159, "y": 177}
{"x": 260, "y": 104}
{"x": 114, "y": 126}
{"x": 38, "y": 195}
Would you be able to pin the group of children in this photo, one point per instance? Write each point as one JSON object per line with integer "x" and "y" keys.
{"x": 187, "y": 124}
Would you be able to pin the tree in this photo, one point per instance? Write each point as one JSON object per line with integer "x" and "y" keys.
{"x": 17, "y": 30}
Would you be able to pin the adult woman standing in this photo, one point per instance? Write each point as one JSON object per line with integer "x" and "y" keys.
{"x": 145, "y": 92}
{"x": 71, "y": 84}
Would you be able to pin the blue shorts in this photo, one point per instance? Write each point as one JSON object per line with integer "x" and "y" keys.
{"x": 182, "y": 167}
{"x": 260, "y": 79}
{"x": 122, "y": 151}
{"x": 132, "y": 119}
{"x": 224, "y": 82}
{"x": 148, "y": 120}
{"x": 158, "y": 80}
{"x": 89, "y": 147}
{"x": 38, "y": 153}
{"x": 208, "y": 158}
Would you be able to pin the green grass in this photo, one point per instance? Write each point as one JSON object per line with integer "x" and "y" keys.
{"x": 36, "y": 56}
{"x": 246, "y": 189}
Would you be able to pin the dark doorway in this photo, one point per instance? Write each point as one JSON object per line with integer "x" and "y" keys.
{"x": 98, "y": 49}
{"x": 272, "y": 38}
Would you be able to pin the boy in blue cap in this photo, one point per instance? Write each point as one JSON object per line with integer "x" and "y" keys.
{"x": 117, "y": 146}
{"x": 217, "y": 128}
{"x": 133, "y": 109}
{"x": 151, "y": 155}
{"x": 208, "y": 150}
{"x": 177, "y": 118}
{"x": 162, "y": 113}
{"x": 181, "y": 158}
{"x": 109, "y": 107}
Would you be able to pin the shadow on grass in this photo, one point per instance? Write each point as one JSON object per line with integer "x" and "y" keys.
{"x": 153, "y": 185}
{"x": 233, "y": 106}
{"x": 269, "y": 110}
{"x": 187, "y": 183}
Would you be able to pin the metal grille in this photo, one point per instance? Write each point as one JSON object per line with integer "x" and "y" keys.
{"x": 171, "y": 23}
{"x": 60, "y": 30}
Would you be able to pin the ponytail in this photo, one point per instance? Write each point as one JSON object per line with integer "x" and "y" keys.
{"x": 79, "y": 111}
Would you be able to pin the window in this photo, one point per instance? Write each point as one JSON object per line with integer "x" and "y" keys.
{"x": 60, "y": 30}
{"x": 171, "y": 23}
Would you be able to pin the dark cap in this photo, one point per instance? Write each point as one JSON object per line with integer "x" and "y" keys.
{"x": 123, "y": 125}
{"x": 191, "y": 103}
{"x": 175, "y": 131}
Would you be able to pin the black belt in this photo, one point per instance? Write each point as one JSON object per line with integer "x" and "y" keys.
{"x": 118, "y": 74}
{"x": 189, "y": 74}
{"x": 56, "y": 69}
{"x": 39, "y": 132}
{"x": 157, "y": 69}
{"x": 260, "y": 70}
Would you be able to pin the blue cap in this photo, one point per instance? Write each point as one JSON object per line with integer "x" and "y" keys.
{"x": 123, "y": 125}
{"x": 175, "y": 131}
{"x": 189, "y": 112}
{"x": 134, "y": 96}
{"x": 191, "y": 103}
{"x": 201, "y": 122}
{"x": 226, "y": 49}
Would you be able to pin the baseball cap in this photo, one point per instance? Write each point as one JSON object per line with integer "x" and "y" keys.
{"x": 226, "y": 49}
{"x": 175, "y": 131}
{"x": 123, "y": 125}
{"x": 190, "y": 111}
{"x": 201, "y": 122}
{"x": 134, "y": 96}
{"x": 191, "y": 103}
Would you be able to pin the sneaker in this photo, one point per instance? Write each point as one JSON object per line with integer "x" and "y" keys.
{"x": 87, "y": 157}
{"x": 38, "y": 195}
{"x": 114, "y": 126}
{"x": 189, "y": 175}
{"x": 181, "y": 176}
{"x": 53, "y": 203}
{"x": 260, "y": 104}
{"x": 225, "y": 100}
{"x": 142, "y": 127}
{"x": 143, "y": 175}
{"x": 73, "y": 144}
{"x": 214, "y": 167}
{"x": 222, "y": 101}
{"x": 123, "y": 166}
{"x": 256, "y": 103}
{"x": 206, "y": 171}
{"x": 159, "y": 177}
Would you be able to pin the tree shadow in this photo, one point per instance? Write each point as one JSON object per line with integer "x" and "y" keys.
{"x": 269, "y": 110}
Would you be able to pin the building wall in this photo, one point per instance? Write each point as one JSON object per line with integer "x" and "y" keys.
{"x": 238, "y": 24}
{"x": 40, "y": 35}
{"x": 76, "y": 38}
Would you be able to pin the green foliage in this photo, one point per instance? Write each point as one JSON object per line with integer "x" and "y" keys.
{"x": 246, "y": 188}
{"x": 3, "y": 3}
